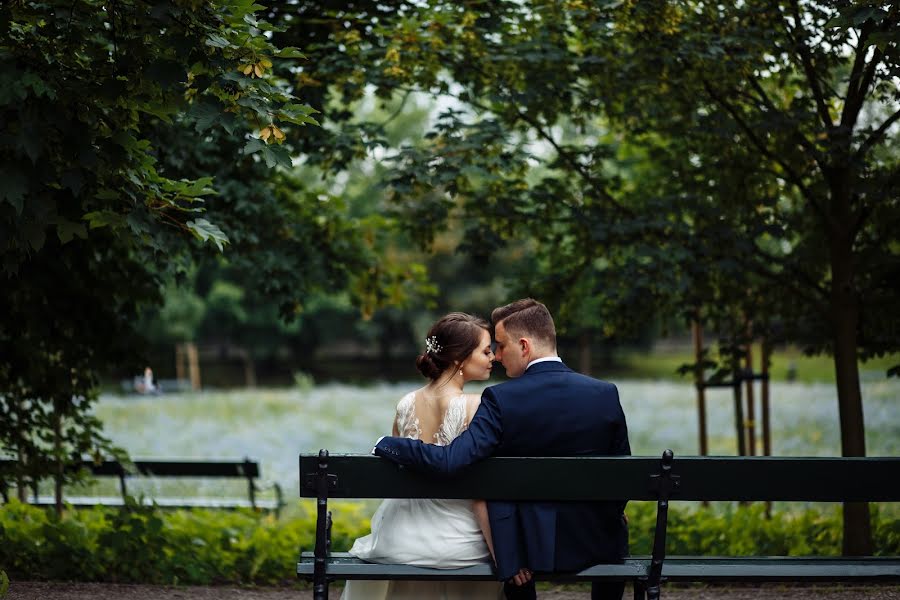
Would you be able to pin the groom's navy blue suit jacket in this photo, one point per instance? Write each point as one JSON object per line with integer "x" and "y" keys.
{"x": 548, "y": 411}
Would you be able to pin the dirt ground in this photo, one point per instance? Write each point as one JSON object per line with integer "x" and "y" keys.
{"x": 29, "y": 590}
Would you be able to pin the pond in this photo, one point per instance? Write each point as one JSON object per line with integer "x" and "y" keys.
{"x": 273, "y": 426}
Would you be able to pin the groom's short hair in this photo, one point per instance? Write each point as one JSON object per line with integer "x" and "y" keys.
{"x": 527, "y": 318}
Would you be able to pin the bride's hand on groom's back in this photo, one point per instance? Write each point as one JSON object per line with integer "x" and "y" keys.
{"x": 522, "y": 577}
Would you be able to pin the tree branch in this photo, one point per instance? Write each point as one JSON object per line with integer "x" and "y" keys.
{"x": 798, "y": 137}
{"x": 748, "y": 131}
{"x": 399, "y": 110}
{"x": 856, "y": 98}
{"x": 876, "y": 136}
{"x": 808, "y": 68}
{"x": 578, "y": 167}
{"x": 598, "y": 187}
{"x": 795, "y": 275}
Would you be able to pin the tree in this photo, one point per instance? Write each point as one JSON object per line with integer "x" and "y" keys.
{"x": 729, "y": 156}
{"x": 90, "y": 221}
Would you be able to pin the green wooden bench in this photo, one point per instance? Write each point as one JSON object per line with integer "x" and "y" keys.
{"x": 245, "y": 469}
{"x": 610, "y": 478}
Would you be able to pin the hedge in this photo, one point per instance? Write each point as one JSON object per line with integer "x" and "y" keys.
{"x": 202, "y": 547}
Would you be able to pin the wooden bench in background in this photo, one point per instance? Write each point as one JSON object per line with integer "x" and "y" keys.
{"x": 246, "y": 469}
{"x": 610, "y": 478}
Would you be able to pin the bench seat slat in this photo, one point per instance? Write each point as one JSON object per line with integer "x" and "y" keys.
{"x": 676, "y": 568}
{"x": 343, "y": 566}
{"x": 679, "y": 568}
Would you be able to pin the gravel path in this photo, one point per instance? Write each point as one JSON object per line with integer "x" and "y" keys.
{"x": 28, "y": 590}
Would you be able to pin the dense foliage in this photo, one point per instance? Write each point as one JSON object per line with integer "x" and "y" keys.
{"x": 721, "y": 162}
{"x": 200, "y": 547}
{"x": 136, "y": 137}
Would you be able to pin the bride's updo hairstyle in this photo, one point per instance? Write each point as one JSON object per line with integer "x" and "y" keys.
{"x": 449, "y": 342}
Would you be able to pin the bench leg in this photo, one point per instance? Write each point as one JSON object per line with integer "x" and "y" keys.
{"x": 640, "y": 589}
{"x": 323, "y": 530}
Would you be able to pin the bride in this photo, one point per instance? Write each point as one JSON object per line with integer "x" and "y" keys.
{"x": 443, "y": 534}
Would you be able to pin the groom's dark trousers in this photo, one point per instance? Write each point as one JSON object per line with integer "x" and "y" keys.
{"x": 548, "y": 411}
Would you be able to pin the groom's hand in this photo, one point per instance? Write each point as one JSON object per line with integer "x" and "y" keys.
{"x": 522, "y": 577}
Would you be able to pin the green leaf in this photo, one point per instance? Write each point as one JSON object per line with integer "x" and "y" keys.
{"x": 206, "y": 113}
{"x": 13, "y": 186}
{"x": 290, "y": 52}
{"x": 297, "y": 113}
{"x": 66, "y": 230}
{"x": 865, "y": 13}
{"x": 198, "y": 187}
{"x": 204, "y": 230}
{"x": 163, "y": 112}
{"x": 34, "y": 234}
{"x": 103, "y": 218}
{"x": 4, "y": 584}
{"x": 273, "y": 154}
{"x": 217, "y": 41}
{"x": 277, "y": 155}
{"x": 254, "y": 145}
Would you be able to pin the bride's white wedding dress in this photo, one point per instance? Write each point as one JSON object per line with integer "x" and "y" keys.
{"x": 442, "y": 534}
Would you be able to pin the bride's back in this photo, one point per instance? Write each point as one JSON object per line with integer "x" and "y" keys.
{"x": 430, "y": 417}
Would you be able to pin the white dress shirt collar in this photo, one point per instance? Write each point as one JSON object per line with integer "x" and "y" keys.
{"x": 545, "y": 359}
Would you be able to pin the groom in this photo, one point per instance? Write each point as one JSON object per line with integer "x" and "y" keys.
{"x": 546, "y": 409}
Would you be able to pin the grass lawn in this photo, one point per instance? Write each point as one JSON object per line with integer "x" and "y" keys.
{"x": 664, "y": 364}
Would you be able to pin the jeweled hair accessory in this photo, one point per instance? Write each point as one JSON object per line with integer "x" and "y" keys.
{"x": 431, "y": 345}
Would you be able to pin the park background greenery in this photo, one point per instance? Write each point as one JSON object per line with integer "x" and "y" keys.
{"x": 201, "y": 547}
{"x": 289, "y": 177}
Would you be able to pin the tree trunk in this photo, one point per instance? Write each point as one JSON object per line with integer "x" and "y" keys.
{"x": 249, "y": 371}
{"x": 58, "y": 455}
{"x": 584, "y": 353}
{"x": 845, "y": 312}
{"x": 21, "y": 487}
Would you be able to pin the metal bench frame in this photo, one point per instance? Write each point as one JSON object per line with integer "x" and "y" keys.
{"x": 246, "y": 469}
{"x": 609, "y": 478}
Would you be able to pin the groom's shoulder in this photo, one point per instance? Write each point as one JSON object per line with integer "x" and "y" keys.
{"x": 587, "y": 382}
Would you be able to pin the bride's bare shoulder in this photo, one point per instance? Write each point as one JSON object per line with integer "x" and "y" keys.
{"x": 407, "y": 399}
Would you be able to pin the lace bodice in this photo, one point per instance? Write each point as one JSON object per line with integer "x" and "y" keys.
{"x": 454, "y": 422}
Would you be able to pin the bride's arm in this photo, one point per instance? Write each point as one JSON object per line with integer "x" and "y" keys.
{"x": 479, "y": 507}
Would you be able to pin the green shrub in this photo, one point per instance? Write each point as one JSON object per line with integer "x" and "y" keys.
{"x": 202, "y": 547}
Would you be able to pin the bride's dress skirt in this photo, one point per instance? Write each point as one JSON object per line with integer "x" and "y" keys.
{"x": 441, "y": 534}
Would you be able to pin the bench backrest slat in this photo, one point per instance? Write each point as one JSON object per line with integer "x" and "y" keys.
{"x": 611, "y": 478}
{"x": 169, "y": 468}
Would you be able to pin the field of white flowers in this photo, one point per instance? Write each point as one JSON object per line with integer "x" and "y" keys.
{"x": 273, "y": 426}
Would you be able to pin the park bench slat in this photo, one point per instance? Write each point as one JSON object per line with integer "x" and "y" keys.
{"x": 342, "y": 565}
{"x": 178, "y": 468}
{"x": 88, "y": 501}
{"x": 702, "y": 568}
{"x": 612, "y": 478}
